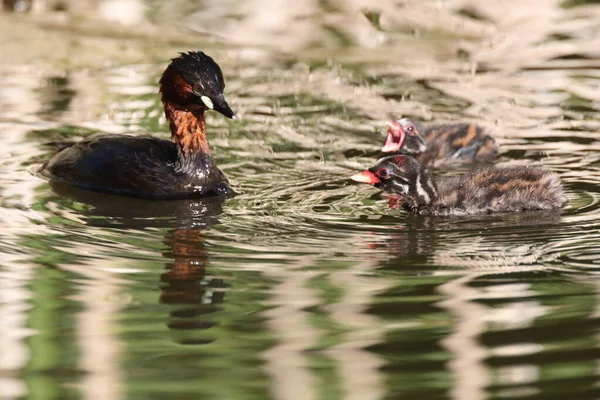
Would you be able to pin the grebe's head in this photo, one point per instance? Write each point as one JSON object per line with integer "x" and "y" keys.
{"x": 404, "y": 134}
{"x": 194, "y": 81}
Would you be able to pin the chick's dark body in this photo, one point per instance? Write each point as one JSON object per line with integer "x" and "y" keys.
{"x": 436, "y": 145}
{"x": 456, "y": 144}
{"x": 497, "y": 189}
{"x": 483, "y": 191}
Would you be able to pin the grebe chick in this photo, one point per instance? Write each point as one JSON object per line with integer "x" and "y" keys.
{"x": 149, "y": 167}
{"x": 486, "y": 190}
{"x": 440, "y": 144}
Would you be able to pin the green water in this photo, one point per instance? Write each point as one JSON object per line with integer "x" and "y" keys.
{"x": 305, "y": 285}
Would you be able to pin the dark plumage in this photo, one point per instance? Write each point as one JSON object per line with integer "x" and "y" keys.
{"x": 154, "y": 168}
{"x": 486, "y": 190}
{"x": 440, "y": 144}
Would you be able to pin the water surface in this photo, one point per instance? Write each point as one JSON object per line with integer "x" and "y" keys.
{"x": 305, "y": 285}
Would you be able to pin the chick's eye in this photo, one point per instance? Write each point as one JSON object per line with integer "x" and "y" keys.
{"x": 410, "y": 129}
{"x": 383, "y": 173}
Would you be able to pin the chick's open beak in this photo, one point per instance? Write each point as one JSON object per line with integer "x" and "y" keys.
{"x": 366, "y": 177}
{"x": 395, "y": 137}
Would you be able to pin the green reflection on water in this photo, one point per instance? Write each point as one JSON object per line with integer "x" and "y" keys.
{"x": 54, "y": 355}
{"x": 190, "y": 314}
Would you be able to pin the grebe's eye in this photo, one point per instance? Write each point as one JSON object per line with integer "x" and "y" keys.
{"x": 383, "y": 173}
{"x": 197, "y": 88}
{"x": 410, "y": 129}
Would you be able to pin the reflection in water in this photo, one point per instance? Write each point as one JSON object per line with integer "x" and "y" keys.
{"x": 184, "y": 306}
{"x": 103, "y": 209}
{"x": 55, "y": 96}
{"x": 467, "y": 243}
{"x": 185, "y": 283}
{"x": 467, "y": 364}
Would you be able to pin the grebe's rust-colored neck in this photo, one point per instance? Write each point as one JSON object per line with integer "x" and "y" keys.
{"x": 188, "y": 129}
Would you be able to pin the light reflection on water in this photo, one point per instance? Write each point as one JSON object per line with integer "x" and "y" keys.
{"x": 306, "y": 285}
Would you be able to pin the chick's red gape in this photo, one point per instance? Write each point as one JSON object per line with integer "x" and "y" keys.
{"x": 149, "y": 167}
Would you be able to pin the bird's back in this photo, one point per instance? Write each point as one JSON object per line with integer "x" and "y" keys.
{"x": 457, "y": 143}
{"x": 500, "y": 189}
